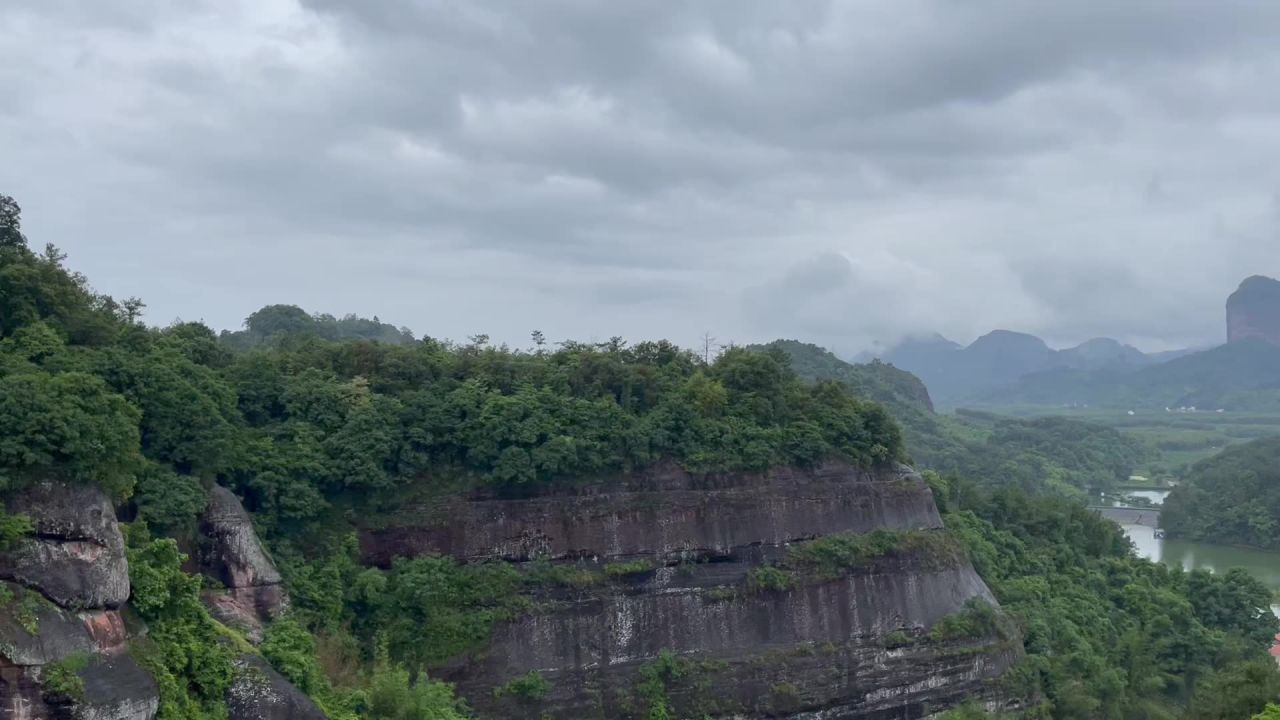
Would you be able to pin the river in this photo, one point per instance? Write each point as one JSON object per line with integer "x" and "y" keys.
{"x": 1190, "y": 555}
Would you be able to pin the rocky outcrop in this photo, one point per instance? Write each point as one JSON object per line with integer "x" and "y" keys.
{"x": 77, "y": 557}
{"x": 60, "y": 610}
{"x": 688, "y": 622}
{"x": 230, "y": 552}
{"x": 261, "y": 693}
{"x": 36, "y": 635}
{"x": 1253, "y": 311}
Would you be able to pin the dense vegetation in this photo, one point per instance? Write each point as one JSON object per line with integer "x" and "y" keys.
{"x": 314, "y": 427}
{"x": 311, "y": 430}
{"x": 1231, "y": 498}
{"x": 1108, "y": 635}
{"x": 1054, "y": 455}
{"x": 275, "y": 322}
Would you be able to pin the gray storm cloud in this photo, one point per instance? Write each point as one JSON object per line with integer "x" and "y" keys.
{"x": 845, "y": 173}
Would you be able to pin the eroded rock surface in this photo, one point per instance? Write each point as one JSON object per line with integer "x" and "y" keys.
{"x": 663, "y": 512}
{"x": 36, "y": 634}
{"x": 825, "y": 648}
{"x": 230, "y": 551}
{"x": 77, "y": 557}
{"x": 261, "y": 693}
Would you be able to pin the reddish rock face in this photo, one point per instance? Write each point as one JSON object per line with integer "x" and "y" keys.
{"x": 231, "y": 552}
{"x": 1253, "y": 311}
{"x": 77, "y": 558}
{"x": 855, "y": 646}
{"x": 663, "y": 513}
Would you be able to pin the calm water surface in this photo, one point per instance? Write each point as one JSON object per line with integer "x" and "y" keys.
{"x": 1262, "y": 564}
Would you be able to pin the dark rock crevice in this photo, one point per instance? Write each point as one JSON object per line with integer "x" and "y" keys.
{"x": 229, "y": 551}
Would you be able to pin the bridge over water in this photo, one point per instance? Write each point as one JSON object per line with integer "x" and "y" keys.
{"x": 1126, "y": 515}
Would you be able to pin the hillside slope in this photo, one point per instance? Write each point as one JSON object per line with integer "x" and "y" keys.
{"x": 1243, "y": 375}
{"x": 1232, "y": 498}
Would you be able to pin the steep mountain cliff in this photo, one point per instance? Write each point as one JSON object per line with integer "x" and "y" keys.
{"x": 801, "y": 594}
{"x": 1253, "y": 311}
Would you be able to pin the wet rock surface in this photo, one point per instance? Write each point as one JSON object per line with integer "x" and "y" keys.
{"x": 61, "y": 604}
{"x": 230, "y": 552}
{"x": 261, "y": 693}
{"x": 36, "y": 634}
{"x": 77, "y": 556}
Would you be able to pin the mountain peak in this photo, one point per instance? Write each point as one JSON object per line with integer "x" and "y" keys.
{"x": 1253, "y": 310}
{"x": 1009, "y": 339}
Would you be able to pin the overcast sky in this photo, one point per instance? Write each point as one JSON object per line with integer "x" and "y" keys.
{"x": 843, "y": 172}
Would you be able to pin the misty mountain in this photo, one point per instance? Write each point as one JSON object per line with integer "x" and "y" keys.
{"x": 955, "y": 373}
{"x": 1242, "y": 375}
{"x": 1253, "y": 310}
{"x": 900, "y": 391}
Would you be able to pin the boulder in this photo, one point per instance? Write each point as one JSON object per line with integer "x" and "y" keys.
{"x": 77, "y": 558}
{"x": 230, "y": 552}
{"x": 261, "y": 693}
{"x": 116, "y": 688}
{"x": 35, "y": 634}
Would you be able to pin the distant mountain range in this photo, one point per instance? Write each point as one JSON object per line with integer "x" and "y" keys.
{"x": 955, "y": 373}
{"x": 1004, "y": 367}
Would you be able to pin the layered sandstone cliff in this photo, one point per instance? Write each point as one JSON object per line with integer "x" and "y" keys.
{"x": 672, "y": 609}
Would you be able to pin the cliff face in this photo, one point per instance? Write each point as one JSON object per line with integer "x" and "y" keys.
{"x": 68, "y": 582}
{"x": 689, "y": 621}
{"x": 61, "y": 594}
{"x": 229, "y": 551}
{"x": 1253, "y": 311}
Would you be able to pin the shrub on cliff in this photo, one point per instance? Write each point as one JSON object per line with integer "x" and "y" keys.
{"x": 183, "y": 649}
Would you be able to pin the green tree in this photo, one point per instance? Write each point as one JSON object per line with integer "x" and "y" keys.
{"x": 68, "y": 426}
{"x": 11, "y": 224}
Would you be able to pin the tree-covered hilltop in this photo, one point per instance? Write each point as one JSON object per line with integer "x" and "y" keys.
{"x": 274, "y": 322}
{"x": 318, "y": 434}
{"x": 314, "y": 432}
{"x": 1231, "y": 498}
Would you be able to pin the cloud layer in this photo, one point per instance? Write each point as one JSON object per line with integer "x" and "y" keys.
{"x": 845, "y": 173}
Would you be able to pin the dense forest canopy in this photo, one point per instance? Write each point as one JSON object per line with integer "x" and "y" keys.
{"x": 273, "y": 322}
{"x": 1231, "y": 498}
{"x": 314, "y": 430}
{"x": 1054, "y": 455}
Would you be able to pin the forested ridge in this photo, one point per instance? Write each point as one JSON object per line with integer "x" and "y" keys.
{"x": 314, "y": 431}
{"x": 1042, "y": 455}
{"x": 1231, "y": 498}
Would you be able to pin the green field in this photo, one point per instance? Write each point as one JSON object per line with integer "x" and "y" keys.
{"x": 1179, "y": 438}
